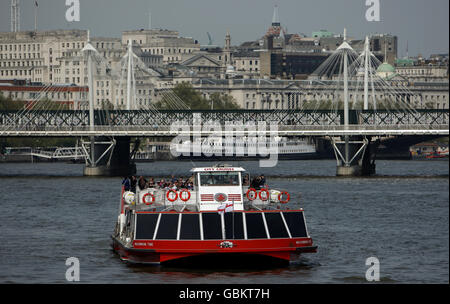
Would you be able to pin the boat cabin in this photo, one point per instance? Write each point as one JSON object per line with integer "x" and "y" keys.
{"x": 216, "y": 186}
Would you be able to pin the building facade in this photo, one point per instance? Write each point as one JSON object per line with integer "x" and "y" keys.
{"x": 166, "y": 43}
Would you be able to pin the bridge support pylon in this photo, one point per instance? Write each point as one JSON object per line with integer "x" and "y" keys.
{"x": 108, "y": 157}
{"x": 354, "y": 156}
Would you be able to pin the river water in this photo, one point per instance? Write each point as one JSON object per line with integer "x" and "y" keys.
{"x": 50, "y": 212}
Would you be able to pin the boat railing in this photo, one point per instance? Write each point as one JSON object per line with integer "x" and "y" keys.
{"x": 187, "y": 200}
{"x": 265, "y": 198}
{"x": 167, "y": 198}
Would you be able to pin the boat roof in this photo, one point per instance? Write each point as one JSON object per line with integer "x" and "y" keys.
{"x": 218, "y": 169}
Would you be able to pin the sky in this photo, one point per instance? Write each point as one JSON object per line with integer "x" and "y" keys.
{"x": 422, "y": 24}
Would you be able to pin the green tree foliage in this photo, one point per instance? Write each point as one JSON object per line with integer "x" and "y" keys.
{"x": 194, "y": 100}
{"x": 8, "y": 104}
{"x": 223, "y": 102}
{"x": 107, "y": 105}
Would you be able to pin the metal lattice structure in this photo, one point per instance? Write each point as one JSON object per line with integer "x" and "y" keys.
{"x": 294, "y": 122}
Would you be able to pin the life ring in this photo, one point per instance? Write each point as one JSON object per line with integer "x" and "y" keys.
{"x": 144, "y": 201}
{"x": 172, "y": 199}
{"x": 267, "y": 196}
{"x": 185, "y": 199}
{"x": 253, "y": 197}
{"x": 287, "y": 199}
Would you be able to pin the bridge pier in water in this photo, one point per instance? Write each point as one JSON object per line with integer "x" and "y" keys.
{"x": 109, "y": 157}
{"x": 355, "y": 156}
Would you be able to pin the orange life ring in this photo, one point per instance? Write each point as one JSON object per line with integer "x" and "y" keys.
{"x": 144, "y": 201}
{"x": 170, "y": 199}
{"x": 267, "y": 192}
{"x": 185, "y": 191}
{"x": 287, "y": 199}
{"x": 248, "y": 194}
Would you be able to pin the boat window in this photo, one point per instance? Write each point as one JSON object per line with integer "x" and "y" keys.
{"x": 219, "y": 179}
{"x": 212, "y": 227}
{"x": 296, "y": 223}
{"x": 255, "y": 226}
{"x": 190, "y": 227}
{"x": 145, "y": 226}
{"x": 168, "y": 226}
{"x": 234, "y": 226}
{"x": 275, "y": 224}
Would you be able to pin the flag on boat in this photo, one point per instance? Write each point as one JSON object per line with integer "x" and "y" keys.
{"x": 224, "y": 208}
{"x": 36, "y": 3}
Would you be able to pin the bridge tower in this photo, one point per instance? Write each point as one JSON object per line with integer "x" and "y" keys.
{"x": 106, "y": 156}
{"x": 354, "y": 153}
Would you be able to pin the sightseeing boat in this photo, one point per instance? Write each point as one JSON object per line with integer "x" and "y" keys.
{"x": 222, "y": 215}
{"x": 217, "y": 148}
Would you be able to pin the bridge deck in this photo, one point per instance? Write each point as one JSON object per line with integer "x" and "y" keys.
{"x": 354, "y": 130}
{"x": 181, "y": 123}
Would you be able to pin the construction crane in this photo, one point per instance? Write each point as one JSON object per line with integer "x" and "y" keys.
{"x": 15, "y": 16}
{"x": 210, "y": 38}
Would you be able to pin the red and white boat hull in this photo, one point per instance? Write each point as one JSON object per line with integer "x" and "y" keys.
{"x": 281, "y": 235}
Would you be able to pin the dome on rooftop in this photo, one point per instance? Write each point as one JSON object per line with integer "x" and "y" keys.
{"x": 386, "y": 68}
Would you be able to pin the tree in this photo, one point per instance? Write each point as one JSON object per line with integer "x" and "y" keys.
{"x": 184, "y": 94}
{"x": 8, "y": 104}
{"x": 223, "y": 102}
{"x": 107, "y": 105}
{"x": 193, "y": 99}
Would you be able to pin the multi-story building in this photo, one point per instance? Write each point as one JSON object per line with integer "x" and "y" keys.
{"x": 247, "y": 63}
{"x": 51, "y": 56}
{"x": 168, "y": 43}
{"x": 56, "y": 57}
{"x": 295, "y": 56}
{"x": 63, "y": 96}
{"x": 290, "y": 94}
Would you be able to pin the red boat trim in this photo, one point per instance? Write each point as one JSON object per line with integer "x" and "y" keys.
{"x": 207, "y": 197}
{"x": 157, "y": 256}
{"x": 191, "y": 212}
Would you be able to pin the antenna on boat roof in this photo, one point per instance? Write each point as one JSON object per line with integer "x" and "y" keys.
{"x": 222, "y": 165}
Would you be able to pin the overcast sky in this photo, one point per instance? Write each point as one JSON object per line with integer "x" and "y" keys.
{"x": 423, "y": 23}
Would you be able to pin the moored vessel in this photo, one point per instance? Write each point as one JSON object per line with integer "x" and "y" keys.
{"x": 217, "y": 148}
{"x": 224, "y": 213}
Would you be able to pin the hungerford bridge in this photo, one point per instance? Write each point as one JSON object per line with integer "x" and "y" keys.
{"x": 351, "y": 130}
{"x": 162, "y": 123}
{"x": 111, "y": 131}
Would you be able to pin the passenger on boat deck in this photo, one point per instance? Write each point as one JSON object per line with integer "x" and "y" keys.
{"x": 133, "y": 182}
{"x": 126, "y": 183}
{"x": 176, "y": 186}
{"x": 256, "y": 183}
{"x": 151, "y": 183}
{"x": 245, "y": 182}
{"x": 162, "y": 183}
{"x": 142, "y": 183}
{"x": 262, "y": 183}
